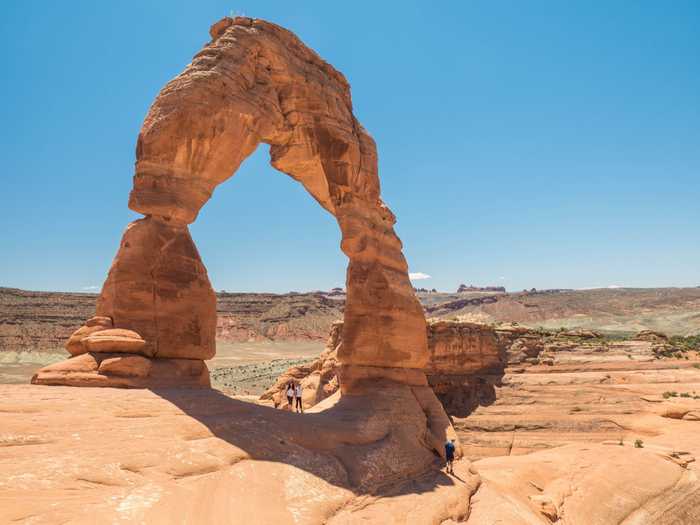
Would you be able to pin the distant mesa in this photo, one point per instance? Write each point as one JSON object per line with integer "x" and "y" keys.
{"x": 464, "y": 288}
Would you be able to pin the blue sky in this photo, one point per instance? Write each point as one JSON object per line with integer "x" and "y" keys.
{"x": 521, "y": 143}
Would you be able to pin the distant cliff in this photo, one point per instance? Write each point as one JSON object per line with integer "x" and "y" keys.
{"x": 42, "y": 321}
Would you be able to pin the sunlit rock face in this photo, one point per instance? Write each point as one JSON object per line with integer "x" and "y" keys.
{"x": 257, "y": 82}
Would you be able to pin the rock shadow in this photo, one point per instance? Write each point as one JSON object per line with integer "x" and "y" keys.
{"x": 370, "y": 445}
{"x": 462, "y": 395}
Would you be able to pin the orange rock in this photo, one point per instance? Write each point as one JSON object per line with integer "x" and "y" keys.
{"x": 127, "y": 366}
{"x": 75, "y": 345}
{"x": 116, "y": 340}
{"x": 158, "y": 287}
{"x": 100, "y": 320}
{"x": 124, "y": 370}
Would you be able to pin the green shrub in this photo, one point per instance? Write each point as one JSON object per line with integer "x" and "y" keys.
{"x": 638, "y": 443}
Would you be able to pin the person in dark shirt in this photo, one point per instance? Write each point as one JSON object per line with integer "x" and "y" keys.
{"x": 450, "y": 455}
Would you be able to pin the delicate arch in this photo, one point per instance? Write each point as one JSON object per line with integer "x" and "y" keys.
{"x": 257, "y": 82}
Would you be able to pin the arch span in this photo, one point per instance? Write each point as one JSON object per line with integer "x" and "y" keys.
{"x": 254, "y": 82}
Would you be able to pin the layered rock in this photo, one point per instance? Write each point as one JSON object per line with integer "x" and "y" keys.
{"x": 114, "y": 369}
{"x": 461, "y": 355}
{"x": 157, "y": 303}
{"x": 469, "y": 361}
{"x": 256, "y": 82}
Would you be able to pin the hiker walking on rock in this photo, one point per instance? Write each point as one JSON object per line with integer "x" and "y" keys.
{"x": 450, "y": 455}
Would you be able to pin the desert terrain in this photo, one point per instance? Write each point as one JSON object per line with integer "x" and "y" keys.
{"x": 260, "y": 328}
{"x": 160, "y": 401}
{"x": 549, "y": 422}
{"x": 595, "y": 398}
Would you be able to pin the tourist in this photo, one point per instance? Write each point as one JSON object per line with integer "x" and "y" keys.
{"x": 450, "y": 455}
{"x": 290, "y": 394}
{"x": 297, "y": 394}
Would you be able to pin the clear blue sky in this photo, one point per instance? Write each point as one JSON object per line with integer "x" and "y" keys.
{"x": 522, "y": 143}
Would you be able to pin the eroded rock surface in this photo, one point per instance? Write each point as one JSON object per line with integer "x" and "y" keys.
{"x": 562, "y": 427}
{"x": 72, "y": 455}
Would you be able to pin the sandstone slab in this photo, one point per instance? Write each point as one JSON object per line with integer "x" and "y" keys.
{"x": 116, "y": 340}
{"x": 197, "y": 456}
{"x": 97, "y": 369}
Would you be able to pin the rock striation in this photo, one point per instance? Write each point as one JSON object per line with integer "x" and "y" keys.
{"x": 254, "y": 82}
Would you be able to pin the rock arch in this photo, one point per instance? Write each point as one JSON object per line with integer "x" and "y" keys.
{"x": 254, "y": 82}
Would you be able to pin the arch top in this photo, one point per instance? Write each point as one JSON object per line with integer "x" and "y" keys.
{"x": 254, "y": 82}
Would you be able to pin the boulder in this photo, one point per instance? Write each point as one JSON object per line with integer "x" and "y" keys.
{"x": 124, "y": 370}
{"x": 75, "y": 345}
{"x": 116, "y": 340}
{"x": 126, "y": 366}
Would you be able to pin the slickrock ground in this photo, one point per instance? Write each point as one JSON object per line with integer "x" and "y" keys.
{"x": 546, "y": 449}
{"x": 566, "y": 426}
{"x": 588, "y": 433}
{"x": 107, "y": 455}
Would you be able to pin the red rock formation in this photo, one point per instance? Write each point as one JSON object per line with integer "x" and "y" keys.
{"x": 460, "y": 356}
{"x": 257, "y": 82}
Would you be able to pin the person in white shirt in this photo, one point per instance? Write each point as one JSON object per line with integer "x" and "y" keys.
{"x": 297, "y": 395}
{"x": 290, "y": 394}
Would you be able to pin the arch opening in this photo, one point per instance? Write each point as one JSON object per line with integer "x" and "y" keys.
{"x": 261, "y": 232}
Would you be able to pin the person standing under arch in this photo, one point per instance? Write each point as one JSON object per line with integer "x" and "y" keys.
{"x": 290, "y": 395}
{"x": 297, "y": 395}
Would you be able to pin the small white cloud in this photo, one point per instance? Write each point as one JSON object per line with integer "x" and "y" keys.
{"x": 615, "y": 286}
{"x": 501, "y": 278}
{"x": 91, "y": 288}
{"x": 418, "y": 276}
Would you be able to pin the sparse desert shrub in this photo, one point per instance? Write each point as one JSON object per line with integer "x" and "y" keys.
{"x": 638, "y": 443}
{"x": 670, "y": 394}
{"x": 685, "y": 344}
{"x": 696, "y": 365}
{"x": 685, "y": 394}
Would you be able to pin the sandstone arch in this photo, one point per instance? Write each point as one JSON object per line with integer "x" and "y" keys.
{"x": 254, "y": 82}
